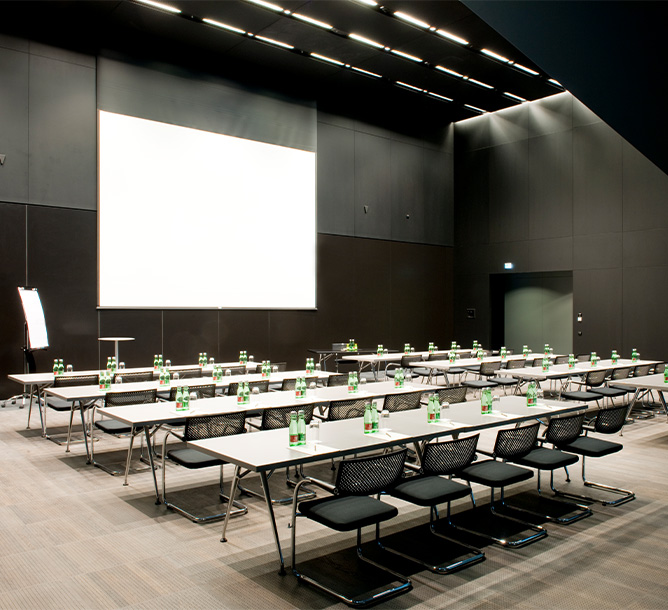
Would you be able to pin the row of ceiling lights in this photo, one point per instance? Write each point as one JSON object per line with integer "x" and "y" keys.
{"x": 278, "y": 9}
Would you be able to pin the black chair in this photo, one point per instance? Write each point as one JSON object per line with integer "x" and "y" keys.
{"x": 537, "y": 362}
{"x": 507, "y": 381}
{"x": 133, "y": 377}
{"x": 487, "y": 370}
{"x": 262, "y": 386}
{"x": 642, "y": 411}
{"x": 559, "y": 431}
{"x": 194, "y": 373}
{"x": 202, "y": 391}
{"x": 289, "y": 384}
{"x": 198, "y": 428}
{"x": 561, "y": 360}
{"x": 607, "y": 421}
{"x": 118, "y": 428}
{"x": 405, "y": 401}
{"x": 510, "y": 444}
{"x": 453, "y": 394}
{"x": 590, "y": 380}
{"x": 583, "y": 357}
{"x": 337, "y": 380}
{"x": 59, "y": 405}
{"x": 349, "y": 508}
{"x": 275, "y": 419}
{"x": 391, "y": 367}
{"x": 431, "y": 374}
{"x": 430, "y": 488}
{"x": 346, "y": 409}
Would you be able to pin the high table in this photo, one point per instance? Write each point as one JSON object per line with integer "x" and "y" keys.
{"x": 643, "y": 386}
{"x": 116, "y": 341}
{"x": 265, "y": 451}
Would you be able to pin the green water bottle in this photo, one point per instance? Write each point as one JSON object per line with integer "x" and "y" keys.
{"x": 186, "y": 398}
{"x": 665, "y": 375}
{"x": 107, "y": 381}
{"x": 155, "y": 362}
{"x": 430, "y": 410}
{"x": 368, "y": 419}
{"x": 301, "y": 427}
{"x": 293, "y": 429}
{"x": 532, "y": 394}
{"x": 525, "y": 350}
{"x": 351, "y": 387}
{"x": 61, "y": 367}
{"x": 240, "y": 393}
{"x": 375, "y": 418}
{"x": 437, "y": 409}
{"x": 546, "y": 363}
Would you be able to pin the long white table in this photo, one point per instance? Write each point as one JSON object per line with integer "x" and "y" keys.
{"x": 644, "y": 385}
{"x": 265, "y": 451}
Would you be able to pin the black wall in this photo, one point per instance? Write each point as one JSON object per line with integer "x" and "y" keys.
{"x": 384, "y": 275}
{"x": 550, "y": 187}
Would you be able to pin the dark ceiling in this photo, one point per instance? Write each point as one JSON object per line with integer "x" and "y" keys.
{"x": 146, "y": 34}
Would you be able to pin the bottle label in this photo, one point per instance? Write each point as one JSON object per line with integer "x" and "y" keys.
{"x": 298, "y": 394}
{"x": 368, "y": 427}
{"x": 531, "y": 401}
{"x": 240, "y": 399}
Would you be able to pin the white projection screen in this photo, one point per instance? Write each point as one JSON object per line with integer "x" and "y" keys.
{"x": 194, "y": 219}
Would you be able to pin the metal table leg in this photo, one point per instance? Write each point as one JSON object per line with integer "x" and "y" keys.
{"x": 272, "y": 520}
{"x": 233, "y": 494}
{"x": 147, "y": 432}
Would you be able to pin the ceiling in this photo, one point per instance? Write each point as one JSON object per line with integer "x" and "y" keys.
{"x": 147, "y": 34}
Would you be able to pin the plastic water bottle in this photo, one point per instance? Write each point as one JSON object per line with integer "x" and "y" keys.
{"x": 532, "y": 394}
{"x": 368, "y": 419}
{"x": 375, "y": 418}
{"x": 301, "y": 427}
{"x": 186, "y": 398}
{"x": 179, "y": 399}
{"x": 61, "y": 367}
{"x": 293, "y": 429}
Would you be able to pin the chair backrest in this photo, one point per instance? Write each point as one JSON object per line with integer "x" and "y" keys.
{"x": 134, "y": 377}
{"x": 64, "y": 382}
{"x": 289, "y": 384}
{"x": 453, "y": 394}
{"x": 337, "y": 380}
{"x": 402, "y": 402}
{"x": 273, "y": 419}
{"x": 213, "y": 426}
{"x": 406, "y": 360}
{"x": 346, "y": 409}
{"x": 537, "y": 362}
{"x": 622, "y": 373}
{"x": 489, "y": 368}
{"x": 262, "y": 386}
{"x": 189, "y": 373}
{"x": 564, "y": 430}
{"x": 449, "y": 457}
{"x": 641, "y": 370}
{"x": 596, "y": 378}
{"x": 583, "y": 357}
{"x": 202, "y": 391}
{"x": 561, "y": 360}
{"x": 516, "y": 363}
{"x": 346, "y": 366}
{"x": 610, "y": 421}
{"x": 370, "y": 475}
{"x": 235, "y": 370}
{"x": 659, "y": 368}
{"x": 438, "y": 356}
{"x": 515, "y": 442}
{"x": 136, "y": 397}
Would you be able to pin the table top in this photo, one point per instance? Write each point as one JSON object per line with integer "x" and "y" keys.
{"x": 563, "y": 370}
{"x": 164, "y": 412}
{"x": 267, "y": 450}
{"x": 648, "y": 382}
{"x": 445, "y": 365}
{"x": 389, "y": 357}
{"x": 115, "y": 338}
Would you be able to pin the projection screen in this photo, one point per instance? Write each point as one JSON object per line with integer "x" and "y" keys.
{"x": 194, "y": 219}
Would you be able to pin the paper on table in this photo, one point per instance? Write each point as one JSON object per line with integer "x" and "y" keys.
{"x": 387, "y": 434}
{"x": 496, "y": 414}
{"x": 548, "y": 407}
{"x": 448, "y": 423}
{"x": 182, "y": 413}
{"x": 313, "y": 449}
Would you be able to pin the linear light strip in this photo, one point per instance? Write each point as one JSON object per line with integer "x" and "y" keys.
{"x": 161, "y": 6}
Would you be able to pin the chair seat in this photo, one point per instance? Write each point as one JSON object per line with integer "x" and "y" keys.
{"x": 581, "y": 395}
{"x": 543, "y": 458}
{"x": 430, "y": 490}
{"x": 609, "y": 392}
{"x": 456, "y": 371}
{"x": 58, "y": 404}
{"x": 479, "y": 384}
{"x": 425, "y": 372}
{"x": 191, "y": 458}
{"x": 346, "y": 513}
{"x": 112, "y": 426}
{"x": 623, "y": 389}
{"x": 592, "y": 447}
{"x": 503, "y": 380}
{"x": 495, "y": 474}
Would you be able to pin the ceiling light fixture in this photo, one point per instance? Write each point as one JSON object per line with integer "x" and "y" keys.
{"x": 479, "y": 83}
{"x": 270, "y": 5}
{"x": 368, "y": 2}
{"x": 440, "y": 97}
{"x": 160, "y": 5}
{"x": 489, "y": 53}
{"x": 452, "y": 37}
{"x": 554, "y": 82}
{"x": 512, "y": 96}
{"x": 414, "y": 88}
{"x": 223, "y": 26}
{"x": 366, "y": 72}
{"x": 411, "y": 19}
{"x": 327, "y": 59}
{"x": 525, "y": 69}
{"x": 450, "y": 72}
{"x": 475, "y": 108}
{"x": 407, "y": 56}
{"x": 278, "y": 43}
{"x": 368, "y": 41}
{"x": 320, "y": 24}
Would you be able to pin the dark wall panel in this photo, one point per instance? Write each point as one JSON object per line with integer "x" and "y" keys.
{"x": 244, "y": 330}
{"x": 645, "y": 248}
{"x": 406, "y": 178}
{"x": 14, "y": 89}
{"x": 189, "y": 332}
{"x": 508, "y": 125}
{"x": 551, "y": 254}
{"x": 63, "y": 266}
{"x": 291, "y": 334}
{"x": 601, "y": 251}
{"x": 12, "y": 275}
{"x": 146, "y": 328}
{"x": 597, "y": 184}
{"x": 63, "y": 127}
{"x": 472, "y": 197}
{"x": 438, "y": 197}
{"x": 551, "y": 115}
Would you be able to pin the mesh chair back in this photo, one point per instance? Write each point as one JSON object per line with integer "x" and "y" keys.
{"x": 202, "y": 391}
{"x": 64, "y": 382}
{"x": 641, "y": 370}
{"x": 564, "y": 430}
{"x": 453, "y": 394}
{"x": 289, "y": 384}
{"x": 489, "y": 368}
{"x": 134, "y": 377}
{"x": 273, "y": 419}
{"x": 659, "y": 368}
{"x": 583, "y": 357}
{"x": 515, "y": 442}
{"x": 402, "y": 402}
{"x": 346, "y": 409}
{"x": 193, "y": 373}
{"x": 213, "y": 426}
{"x": 622, "y": 373}
{"x": 596, "y": 378}
{"x": 137, "y": 397}
{"x": 449, "y": 457}
{"x": 609, "y": 421}
{"x": 438, "y": 356}
{"x": 280, "y": 366}
{"x": 236, "y": 370}
{"x": 516, "y": 364}
{"x": 370, "y": 475}
{"x": 337, "y": 380}
{"x": 406, "y": 360}
{"x": 537, "y": 362}
{"x": 262, "y": 386}
{"x": 561, "y": 360}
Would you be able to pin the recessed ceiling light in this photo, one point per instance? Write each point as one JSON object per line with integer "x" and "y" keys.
{"x": 320, "y": 24}
{"x": 270, "y": 5}
{"x": 406, "y": 55}
{"x": 495, "y": 55}
{"x": 452, "y": 37}
{"x": 525, "y": 69}
{"x": 554, "y": 82}
{"x": 451, "y": 72}
{"x": 224, "y": 26}
{"x": 327, "y": 59}
{"x": 440, "y": 97}
{"x": 278, "y": 43}
{"x": 402, "y": 84}
{"x": 160, "y": 5}
{"x": 514, "y": 97}
{"x": 368, "y": 2}
{"x": 475, "y": 108}
{"x": 366, "y": 72}
{"x": 368, "y": 41}
{"x": 413, "y": 20}
{"x": 480, "y": 83}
